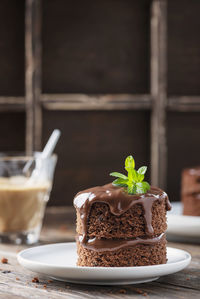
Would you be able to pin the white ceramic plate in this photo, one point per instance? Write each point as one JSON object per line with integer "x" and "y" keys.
{"x": 186, "y": 228}
{"x": 58, "y": 261}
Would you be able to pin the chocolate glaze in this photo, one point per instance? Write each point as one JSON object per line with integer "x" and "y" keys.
{"x": 119, "y": 202}
{"x": 102, "y": 245}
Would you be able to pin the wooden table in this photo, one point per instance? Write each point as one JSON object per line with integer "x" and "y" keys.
{"x": 16, "y": 282}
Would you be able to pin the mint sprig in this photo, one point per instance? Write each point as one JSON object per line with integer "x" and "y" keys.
{"x": 133, "y": 183}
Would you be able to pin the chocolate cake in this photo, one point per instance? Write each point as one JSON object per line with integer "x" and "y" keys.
{"x": 117, "y": 229}
{"x": 190, "y": 191}
{"x": 119, "y": 226}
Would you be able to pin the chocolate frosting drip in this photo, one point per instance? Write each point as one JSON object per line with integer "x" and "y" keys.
{"x": 119, "y": 202}
{"x": 102, "y": 245}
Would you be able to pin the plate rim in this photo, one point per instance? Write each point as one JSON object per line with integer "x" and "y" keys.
{"x": 179, "y": 203}
{"x": 187, "y": 228}
{"x": 22, "y": 260}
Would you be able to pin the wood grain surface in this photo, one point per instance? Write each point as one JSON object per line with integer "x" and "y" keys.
{"x": 16, "y": 282}
{"x": 106, "y": 55}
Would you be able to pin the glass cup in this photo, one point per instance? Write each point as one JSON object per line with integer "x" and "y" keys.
{"x": 25, "y": 186}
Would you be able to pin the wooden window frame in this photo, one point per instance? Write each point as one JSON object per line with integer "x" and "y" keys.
{"x": 157, "y": 101}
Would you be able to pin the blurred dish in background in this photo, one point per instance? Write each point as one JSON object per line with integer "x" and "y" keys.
{"x": 182, "y": 227}
{"x": 190, "y": 191}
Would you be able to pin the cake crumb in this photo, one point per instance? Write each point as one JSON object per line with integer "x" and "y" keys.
{"x": 139, "y": 291}
{"x": 49, "y": 281}
{"x": 17, "y": 278}
{"x": 44, "y": 286}
{"x": 122, "y": 291}
{"x": 6, "y": 272}
{"x": 144, "y": 294}
{"x": 35, "y": 280}
{"x": 4, "y": 260}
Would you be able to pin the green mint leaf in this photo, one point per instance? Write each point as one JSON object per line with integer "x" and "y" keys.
{"x": 139, "y": 188}
{"x": 119, "y": 175}
{"x": 131, "y": 189}
{"x": 142, "y": 170}
{"x": 133, "y": 183}
{"x": 140, "y": 177}
{"x": 129, "y": 163}
{"x": 132, "y": 175}
{"x": 120, "y": 182}
{"x": 146, "y": 186}
{"x": 142, "y": 187}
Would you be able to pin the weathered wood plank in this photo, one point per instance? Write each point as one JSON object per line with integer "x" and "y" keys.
{"x": 33, "y": 75}
{"x": 102, "y": 102}
{"x": 4, "y": 100}
{"x": 84, "y": 54}
{"x": 12, "y": 103}
{"x": 18, "y": 282}
{"x": 23, "y": 286}
{"x": 183, "y": 48}
{"x": 95, "y": 102}
{"x": 159, "y": 92}
{"x": 184, "y": 104}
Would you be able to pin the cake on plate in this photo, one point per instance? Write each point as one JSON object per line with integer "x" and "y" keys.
{"x": 122, "y": 224}
{"x": 190, "y": 191}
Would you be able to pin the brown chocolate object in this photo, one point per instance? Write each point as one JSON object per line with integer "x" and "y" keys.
{"x": 191, "y": 204}
{"x": 131, "y": 224}
{"x": 138, "y": 255}
{"x": 190, "y": 181}
{"x": 120, "y": 203}
{"x": 118, "y": 229}
{"x": 102, "y": 244}
{"x": 190, "y": 191}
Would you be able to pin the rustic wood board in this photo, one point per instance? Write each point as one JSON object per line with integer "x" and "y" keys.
{"x": 59, "y": 227}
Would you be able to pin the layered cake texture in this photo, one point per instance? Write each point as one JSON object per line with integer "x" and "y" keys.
{"x": 190, "y": 191}
{"x": 118, "y": 229}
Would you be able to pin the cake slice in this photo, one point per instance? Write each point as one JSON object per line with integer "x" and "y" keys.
{"x": 117, "y": 227}
{"x": 190, "y": 191}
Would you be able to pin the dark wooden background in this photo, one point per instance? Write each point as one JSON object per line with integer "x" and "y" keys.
{"x": 102, "y": 47}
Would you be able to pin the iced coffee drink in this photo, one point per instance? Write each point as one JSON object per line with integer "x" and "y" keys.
{"x": 23, "y": 200}
{"x": 21, "y": 204}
